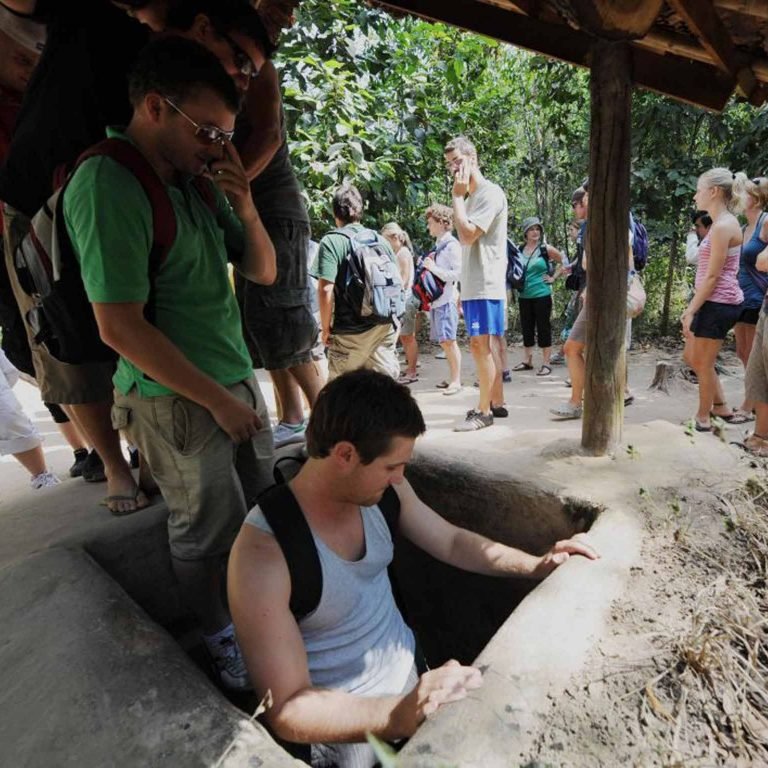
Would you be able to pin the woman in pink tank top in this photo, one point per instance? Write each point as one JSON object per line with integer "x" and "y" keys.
{"x": 716, "y": 305}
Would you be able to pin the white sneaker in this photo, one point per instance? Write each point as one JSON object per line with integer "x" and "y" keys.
{"x": 44, "y": 480}
{"x": 230, "y": 665}
{"x": 440, "y": 355}
{"x": 285, "y": 434}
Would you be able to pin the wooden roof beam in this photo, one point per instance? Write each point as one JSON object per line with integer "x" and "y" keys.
{"x": 702, "y": 19}
{"x": 693, "y": 82}
{"x": 756, "y": 8}
{"x": 616, "y": 19}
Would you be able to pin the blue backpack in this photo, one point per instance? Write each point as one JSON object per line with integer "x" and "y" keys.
{"x": 640, "y": 243}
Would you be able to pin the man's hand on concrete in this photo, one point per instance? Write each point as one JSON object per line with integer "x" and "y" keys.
{"x": 451, "y": 682}
{"x": 229, "y": 176}
{"x": 236, "y": 418}
{"x": 562, "y": 551}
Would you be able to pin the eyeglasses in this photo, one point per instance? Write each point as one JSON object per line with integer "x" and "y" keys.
{"x": 246, "y": 66}
{"x": 205, "y": 134}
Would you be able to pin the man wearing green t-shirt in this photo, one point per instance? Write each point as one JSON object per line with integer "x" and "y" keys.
{"x": 184, "y": 386}
{"x": 353, "y": 342}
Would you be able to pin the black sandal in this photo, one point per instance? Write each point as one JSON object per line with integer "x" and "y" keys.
{"x": 523, "y": 367}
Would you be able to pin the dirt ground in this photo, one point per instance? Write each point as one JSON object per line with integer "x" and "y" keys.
{"x": 681, "y": 676}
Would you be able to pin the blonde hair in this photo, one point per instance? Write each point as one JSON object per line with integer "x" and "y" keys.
{"x": 392, "y": 228}
{"x": 463, "y": 146}
{"x": 730, "y": 183}
{"x": 756, "y": 188}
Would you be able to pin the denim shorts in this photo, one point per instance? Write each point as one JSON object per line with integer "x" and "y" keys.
{"x": 443, "y": 322}
{"x": 714, "y": 320}
{"x": 484, "y": 317}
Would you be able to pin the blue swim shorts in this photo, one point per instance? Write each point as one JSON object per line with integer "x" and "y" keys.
{"x": 484, "y": 317}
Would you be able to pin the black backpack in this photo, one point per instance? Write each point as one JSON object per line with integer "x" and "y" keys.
{"x": 578, "y": 277}
{"x": 515, "y": 267}
{"x": 47, "y": 268}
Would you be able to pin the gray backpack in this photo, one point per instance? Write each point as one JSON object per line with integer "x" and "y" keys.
{"x": 370, "y": 278}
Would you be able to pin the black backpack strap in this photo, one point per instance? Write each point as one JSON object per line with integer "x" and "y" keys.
{"x": 290, "y": 527}
{"x": 389, "y": 504}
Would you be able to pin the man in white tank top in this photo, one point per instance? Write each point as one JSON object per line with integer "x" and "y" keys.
{"x": 346, "y": 668}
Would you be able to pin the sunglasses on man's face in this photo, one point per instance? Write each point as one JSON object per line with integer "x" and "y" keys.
{"x": 245, "y": 65}
{"x": 205, "y": 134}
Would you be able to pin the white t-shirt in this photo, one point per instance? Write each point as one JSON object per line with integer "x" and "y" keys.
{"x": 484, "y": 263}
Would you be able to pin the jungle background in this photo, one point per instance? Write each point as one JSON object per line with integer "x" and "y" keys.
{"x": 372, "y": 99}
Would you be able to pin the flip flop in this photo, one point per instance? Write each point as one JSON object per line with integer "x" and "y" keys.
{"x": 404, "y": 378}
{"x": 760, "y": 450}
{"x": 734, "y": 417}
{"x": 117, "y": 497}
{"x": 628, "y": 400}
{"x": 523, "y": 367}
{"x": 442, "y": 385}
{"x": 545, "y": 370}
{"x": 701, "y": 427}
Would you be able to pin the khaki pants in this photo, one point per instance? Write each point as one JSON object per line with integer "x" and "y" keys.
{"x": 207, "y": 481}
{"x": 373, "y": 349}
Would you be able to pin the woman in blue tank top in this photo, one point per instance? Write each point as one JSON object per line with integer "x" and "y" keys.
{"x": 753, "y": 283}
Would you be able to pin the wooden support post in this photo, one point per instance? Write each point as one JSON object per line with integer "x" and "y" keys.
{"x": 607, "y": 245}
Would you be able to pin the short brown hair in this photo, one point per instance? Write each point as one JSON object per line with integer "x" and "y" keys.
{"x": 462, "y": 145}
{"x": 365, "y": 408}
{"x": 578, "y": 196}
{"x": 442, "y": 214}
{"x": 348, "y": 203}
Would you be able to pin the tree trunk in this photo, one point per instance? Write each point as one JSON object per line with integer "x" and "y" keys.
{"x": 607, "y": 246}
{"x": 671, "y": 272}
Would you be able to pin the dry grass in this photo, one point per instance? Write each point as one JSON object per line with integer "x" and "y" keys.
{"x": 711, "y": 699}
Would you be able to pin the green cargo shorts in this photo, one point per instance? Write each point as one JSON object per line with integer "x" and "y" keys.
{"x": 208, "y": 482}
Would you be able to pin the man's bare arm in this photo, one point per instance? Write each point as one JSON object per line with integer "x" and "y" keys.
{"x": 259, "y": 589}
{"x": 24, "y": 7}
{"x": 262, "y": 105}
{"x": 473, "y": 552}
{"x": 259, "y": 261}
{"x": 465, "y": 229}
{"x": 124, "y": 328}
{"x": 325, "y": 305}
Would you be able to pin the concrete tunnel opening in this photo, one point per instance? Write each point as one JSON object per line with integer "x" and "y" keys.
{"x": 454, "y": 614}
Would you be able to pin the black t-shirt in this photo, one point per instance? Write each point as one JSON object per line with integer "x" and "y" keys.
{"x": 79, "y": 87}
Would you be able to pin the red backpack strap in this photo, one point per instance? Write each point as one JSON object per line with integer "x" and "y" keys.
{"x": 163, "y": 215}
{"x": 207, "y": 192}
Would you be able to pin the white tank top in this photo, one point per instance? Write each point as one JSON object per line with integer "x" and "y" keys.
{"x": 356, "y": 640}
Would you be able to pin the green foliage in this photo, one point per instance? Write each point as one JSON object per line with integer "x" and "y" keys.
{"x": 373, "y": 99}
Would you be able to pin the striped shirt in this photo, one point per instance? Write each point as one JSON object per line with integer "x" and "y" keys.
{"x": 727, "y": 289}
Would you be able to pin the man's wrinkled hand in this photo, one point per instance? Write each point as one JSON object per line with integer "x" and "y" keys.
{"x": 446, "y": 684}
{"x": 561, "y": 553}
{"x": 237, "y": 419}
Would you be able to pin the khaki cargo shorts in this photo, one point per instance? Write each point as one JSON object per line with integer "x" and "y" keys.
{"x": 756, "y": 378}
{"x": 61, "y": 383}
{"x": 374, "y": 349}
{"x": 208, "y": 482}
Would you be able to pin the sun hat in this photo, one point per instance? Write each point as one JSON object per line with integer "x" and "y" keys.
{"x": 530, "y": 222}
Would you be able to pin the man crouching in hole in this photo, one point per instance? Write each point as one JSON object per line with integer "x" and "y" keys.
{"x": 346, "y": 666}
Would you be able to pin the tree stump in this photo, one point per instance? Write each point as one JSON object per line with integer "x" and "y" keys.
{"x": 664, "y": 376}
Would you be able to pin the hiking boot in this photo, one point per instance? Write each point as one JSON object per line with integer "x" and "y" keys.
{"x": 44, "y": 480}
{"x": 287, "y": 434}
{"x": 93, "y": 469}
{"x": 557, "y": 359}
{"x": 474, "y": 421}
{"x": 81, "y": 456}
{"x": 228, "y": 658}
